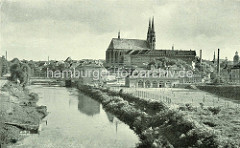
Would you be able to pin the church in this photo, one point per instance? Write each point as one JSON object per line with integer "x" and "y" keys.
{"x": 127, "y": 52}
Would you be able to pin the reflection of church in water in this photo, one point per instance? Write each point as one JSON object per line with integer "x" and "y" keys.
{"x": 91, "y": 107}
{"x": 88, "y": 106}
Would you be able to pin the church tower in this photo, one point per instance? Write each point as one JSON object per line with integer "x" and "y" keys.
{"x": 236, "y": 58}
{"x": 149, "y": 31}
{"x": 153, "y": 36}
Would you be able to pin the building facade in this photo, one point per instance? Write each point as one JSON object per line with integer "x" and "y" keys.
{"x": 235, "y": 74}
{"x": 137, "y": 52}
{"x": 153, "y": 82}
{"x": 160, "y": 78}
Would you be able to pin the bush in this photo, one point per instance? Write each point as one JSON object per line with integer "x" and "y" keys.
{"x": 214, "y": 110}
{"x": 20, "y": 72}
{"x": 155, "y": 130}
{"x": 33, "y": 96}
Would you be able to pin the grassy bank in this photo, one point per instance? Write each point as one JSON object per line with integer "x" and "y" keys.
{"x": 18, "y": 113}
{"x": 156, "y": 124}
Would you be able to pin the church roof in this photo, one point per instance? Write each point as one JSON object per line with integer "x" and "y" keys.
{"x": 68, "y": 59}
{"x": 161, "y": 51}
{"x": 129, "y": 44}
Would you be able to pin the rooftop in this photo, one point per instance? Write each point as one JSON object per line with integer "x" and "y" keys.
{"x": 163, "y": 51}
{"x": 129, "y": 44}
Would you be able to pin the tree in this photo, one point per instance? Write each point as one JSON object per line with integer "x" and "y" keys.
{"x": 20, "y": 72}
{"x": 62, "y": 66}
{"x": 204, "y": 68}
{"x": 218, "y": 80}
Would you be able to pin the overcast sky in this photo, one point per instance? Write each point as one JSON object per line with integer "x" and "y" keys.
{"x": 36, "y": 29}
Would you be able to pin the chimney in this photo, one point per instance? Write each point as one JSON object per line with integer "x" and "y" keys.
{"x": 118, "y": 34}
{"x": 218, "y": 63}
{"x": 6, "y": 55}
{"x": 200, "y": 55}
{"x": 173, "y": 47}
{"x": 214, "y": 58}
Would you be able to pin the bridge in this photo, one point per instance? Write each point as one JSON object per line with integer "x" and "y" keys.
{"x": 50, "y": 81}
{"x": 46, "y": 81}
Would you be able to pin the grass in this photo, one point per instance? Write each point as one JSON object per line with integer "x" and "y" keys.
{"x": 165, "y": 127}
{"x": 222, "y": 120}
{"x": 178, "y": 96}
{"x": 225, "y": 122}
{"x": 16, "y": 106}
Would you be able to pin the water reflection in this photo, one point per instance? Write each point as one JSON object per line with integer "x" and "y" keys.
{"x": 76, "y": 120}
{"x": 88, "y": 106}
{"x": 110, "y": 116}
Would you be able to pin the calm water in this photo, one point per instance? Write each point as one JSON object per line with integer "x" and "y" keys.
{"x": 76, "y": 121}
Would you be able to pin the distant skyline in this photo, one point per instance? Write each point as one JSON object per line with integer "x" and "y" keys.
{"x": 83, "y": 29}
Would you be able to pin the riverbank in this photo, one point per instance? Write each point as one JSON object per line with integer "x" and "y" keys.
{"x": 76, "y": 121}
{"x": 159, "y": 126}
{"x": 19, "y": 113}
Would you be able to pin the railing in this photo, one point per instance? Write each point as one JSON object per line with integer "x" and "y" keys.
{"x": 174, "y": 96}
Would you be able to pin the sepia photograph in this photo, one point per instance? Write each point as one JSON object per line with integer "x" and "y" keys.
{"x": 119, "y": 74}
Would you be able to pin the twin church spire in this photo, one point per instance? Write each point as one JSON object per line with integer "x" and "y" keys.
{"x": 151, "y": 37}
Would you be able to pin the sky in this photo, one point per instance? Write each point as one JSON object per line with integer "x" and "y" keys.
{"x": 36, "y": 29}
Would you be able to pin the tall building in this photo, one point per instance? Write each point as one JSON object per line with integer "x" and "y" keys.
{"x": 236, "y": 58}
{"x": 138, "y": 52}
{"x": 151, "y": 37}
{"x": 235, "y": 74}
{"x": 235, "y": 70}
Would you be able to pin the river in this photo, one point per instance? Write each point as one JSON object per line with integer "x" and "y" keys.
{"x": 76, "y": 121}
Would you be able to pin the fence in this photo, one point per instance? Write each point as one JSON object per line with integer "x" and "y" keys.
{"x": 175, "y": 96}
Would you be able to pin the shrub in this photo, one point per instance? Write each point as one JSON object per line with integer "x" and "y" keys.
{"x": 214, "y": 110}
{"x": 33, "y": 96}
{"x": 20, "y": 72}
{"x": 174, "y": 126}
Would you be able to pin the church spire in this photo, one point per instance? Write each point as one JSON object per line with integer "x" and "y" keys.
{"x": 153, "y": 25}
{"x": 149, "y": 31}
{"x": 153, "y": 36}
